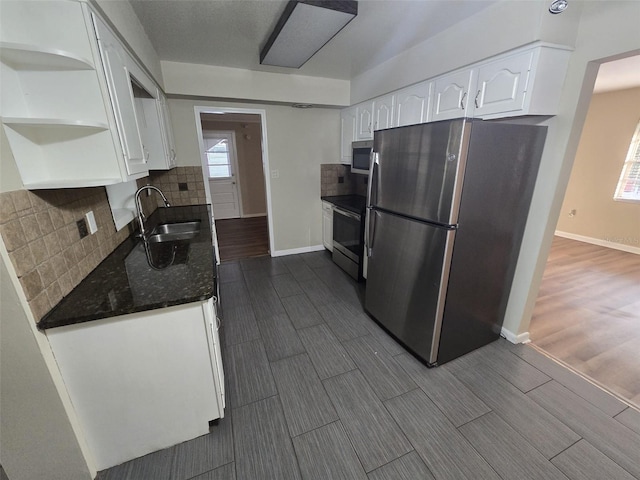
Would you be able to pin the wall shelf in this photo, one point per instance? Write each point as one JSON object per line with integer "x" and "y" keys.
{"x": 53, "y": 123}
{"x": 71, "y": 183}
{"x": 31, "y": 57}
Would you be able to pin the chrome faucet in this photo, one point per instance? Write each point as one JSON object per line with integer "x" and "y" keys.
{"x": 141, "y": 216}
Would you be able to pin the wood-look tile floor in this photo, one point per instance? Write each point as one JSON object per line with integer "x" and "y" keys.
{"x": 242, "y": 238}
{"x": 588, "y": 314}
{"x": 317, "y": 391}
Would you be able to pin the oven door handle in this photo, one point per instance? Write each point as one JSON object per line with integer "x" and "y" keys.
{"x": 346, "y": 213}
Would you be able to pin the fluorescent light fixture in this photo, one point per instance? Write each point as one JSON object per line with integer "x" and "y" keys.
{"x": 304, "y": 28}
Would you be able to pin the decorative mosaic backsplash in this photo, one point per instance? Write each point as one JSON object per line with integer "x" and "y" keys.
{"x": 40, "y": 232}
{"x": 337, "y": 179}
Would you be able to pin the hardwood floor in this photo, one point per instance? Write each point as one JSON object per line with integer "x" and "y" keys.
{"x": 242, "y": 238}
{"x": 588, "y": 314}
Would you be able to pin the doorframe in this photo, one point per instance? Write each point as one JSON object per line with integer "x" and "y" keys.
{"x": 234, "y": 164}
{"x": 265, "y": 155}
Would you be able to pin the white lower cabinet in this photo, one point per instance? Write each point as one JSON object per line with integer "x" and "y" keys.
{"x": 327, "y": 225}
{"x": 142, "y": 382}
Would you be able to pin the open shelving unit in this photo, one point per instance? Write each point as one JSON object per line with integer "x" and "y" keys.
{"x": 54, "y": 101}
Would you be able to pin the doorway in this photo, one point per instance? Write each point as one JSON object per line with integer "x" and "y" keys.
{"x": 587, "y": 314}
{"x": 222, "y": 169}
{"x": 234, "y": 162}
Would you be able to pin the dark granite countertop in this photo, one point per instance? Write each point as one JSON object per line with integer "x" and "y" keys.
{"x": 134, "y": 278}
{"x": 352, "y": 203}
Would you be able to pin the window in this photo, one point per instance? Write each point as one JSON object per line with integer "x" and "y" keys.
{"x": 218, "y": 158}
{"x": 628, "y": 188}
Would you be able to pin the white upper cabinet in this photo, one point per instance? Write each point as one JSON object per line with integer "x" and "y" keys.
{"x": 412, "y": 104}
{"x": 347, "y": 133}
{"x": 451, "y": 95}
{"x": 55, "y": 103}
{"x": 116, "y": 62}
{"x": 167, "y": 135}
{"x": 383, "y": 112}
{"x": 364, "y": 121}
{"x": 502, "y": 85}
{"x": 525, "y": 81}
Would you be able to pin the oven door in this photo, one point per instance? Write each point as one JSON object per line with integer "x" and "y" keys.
{"x": 347, "y": 234}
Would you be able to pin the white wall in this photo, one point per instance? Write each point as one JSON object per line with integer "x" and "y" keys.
{"x": 237, "y": 83}
{"x": 299, "y": 140}
{"x": 607, "y": 29}
{"x": 37, "y": 439}
{"x": 607, "y": 133}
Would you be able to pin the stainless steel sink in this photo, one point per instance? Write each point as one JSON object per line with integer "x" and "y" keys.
{"x": 182, "y": 227}
{"x": 171, "y": 232}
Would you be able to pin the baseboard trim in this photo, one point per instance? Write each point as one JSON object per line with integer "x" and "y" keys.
{"x": 597, "y": 241}
{"x": 252, "y": 215}
{"x": 295, "y": 251}
{"x": 513, "y": 338}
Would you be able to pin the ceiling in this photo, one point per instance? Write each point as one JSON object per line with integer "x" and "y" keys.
{"x": 231, "y": 33}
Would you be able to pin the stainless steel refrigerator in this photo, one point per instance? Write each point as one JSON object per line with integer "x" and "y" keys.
{"x": 447, "y": 206}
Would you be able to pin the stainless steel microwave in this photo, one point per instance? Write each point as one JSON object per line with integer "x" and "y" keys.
{"x": 361, "y": 156}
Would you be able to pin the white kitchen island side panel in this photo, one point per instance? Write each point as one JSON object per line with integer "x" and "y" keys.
{"x": 140, "y": 382}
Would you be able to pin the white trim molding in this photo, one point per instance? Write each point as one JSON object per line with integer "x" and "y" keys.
{"x": 295, "y": 251}
{"x": 265, "y": 156}
{"x": 599, "y": 242}
{"x": 514, "y": 338}
{"x": 252, "y": 215}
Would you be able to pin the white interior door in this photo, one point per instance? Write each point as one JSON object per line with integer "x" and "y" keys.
{"x": 222, "y": 167}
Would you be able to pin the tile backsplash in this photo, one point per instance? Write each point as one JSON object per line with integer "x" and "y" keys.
{"x": 171, "y": 181}
{"x": 40, "y": 232}
{"x": 337, "y": 179}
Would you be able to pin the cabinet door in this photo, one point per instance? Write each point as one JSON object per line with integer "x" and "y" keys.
{"x": 412, "y": 104}
{"x": 502, "y": 85}
{"x": 383, "y": 112}
{"x": 327, "y": 226}
{"x": 364, "y": 121}
{"x": 451, "y": 96}
{"x": 114, "y": 60}
{"x": 213, "y": 323}
{"x": 167, "y": 129}
{"x": 347, "y": 133}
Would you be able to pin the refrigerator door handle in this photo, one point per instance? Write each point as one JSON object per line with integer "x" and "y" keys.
{"x": 371, "y": 230}
{"x": 372, "y": 173}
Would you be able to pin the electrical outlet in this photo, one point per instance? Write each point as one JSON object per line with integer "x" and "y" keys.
{"x": 572, "y": 213}
{"x": 82, "y": 228}
{"x": 183, "y": 187}
{"x": 91, "y": 222}
{"x": 275, "y": 173}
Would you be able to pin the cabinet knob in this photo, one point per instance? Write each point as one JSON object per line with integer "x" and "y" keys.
{"x": 464, "y": 95}
{"x": 475, "y": 101}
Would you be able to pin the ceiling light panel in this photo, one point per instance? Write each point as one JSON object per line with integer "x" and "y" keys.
{"x": 304, "y": 29}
